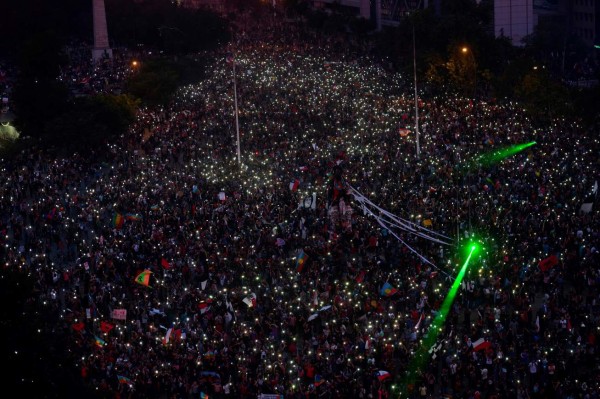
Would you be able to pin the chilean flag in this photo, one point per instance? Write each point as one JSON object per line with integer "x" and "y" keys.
{"x": 382, "y": 375}
{"x": 294, "y": 185}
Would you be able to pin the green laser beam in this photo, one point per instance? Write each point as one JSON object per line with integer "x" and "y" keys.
{"x": 502, "y": 153}
{"x": 423, "y": 353}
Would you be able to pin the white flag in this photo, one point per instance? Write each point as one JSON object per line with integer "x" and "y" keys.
{"x": 250, "y": 300}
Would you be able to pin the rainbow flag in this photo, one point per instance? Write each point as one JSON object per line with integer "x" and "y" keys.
{"x": 133, "y": 216}
{"x": 387, "y": 290}
{"x": 117, "y": 221}
{"x": 100, "y": 343}
{"x": 123, "y": 380}
{"x": 301, "y": 260}
{"x": 144, "y": 278}
{"x": 203, "y": 395}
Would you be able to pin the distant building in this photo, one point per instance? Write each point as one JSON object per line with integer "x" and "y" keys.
{"x": 513, "y": 19}
{"x": 382, "y": 12}
{"x": 585, "y": 20}
{"x": 215, "y": 5}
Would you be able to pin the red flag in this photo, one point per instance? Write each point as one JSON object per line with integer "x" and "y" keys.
{"x": 78, "y": 326}
{"x": 105, "y": 326}
{"x": 548, "y": 263}
{"x": 176, "y": 334}
{"x": 164, "y": 263}
{"x": 361, "y": 276}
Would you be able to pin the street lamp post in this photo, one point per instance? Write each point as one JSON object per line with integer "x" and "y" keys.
{"x": 466, "y": 51}
{"x": 416, "y": 94}
{"x": 237, "y": 123}
{"x": 415, "y": 5}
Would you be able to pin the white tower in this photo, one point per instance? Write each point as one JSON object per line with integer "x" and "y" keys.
{"x": 101, "y": 47}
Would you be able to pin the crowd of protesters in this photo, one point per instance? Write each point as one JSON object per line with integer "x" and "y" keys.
{"x": 86, "y": 76}
{"x": 253, "y": 290}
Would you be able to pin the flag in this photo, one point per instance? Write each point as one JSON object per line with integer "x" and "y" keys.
{"x": 119, "y": 314}
{"x": 78, "y": 326}
{"x": 117, "y": 221}
{"x": 172, "y": 333}
{"x": 229, "y": 306}
{"x": 419, "y": 322}
{"x": 105, "y": 326}
{"x": 382, "y": 375}
{"x": 167, "y": 336}
{"x": 52, "y": 214}
{"x": 143, "y": 278}
{"x": 481, "y": 344}
{"x": 123, "y": 380}
{"x": 99, "y": 341}
{"x": 165, "y": 264}
{"x": 319, "y": 380}
{"x": 301, "y": 260}
{"x": 203, "y": 284}
{"x": 361, "y": 276}
{"x": 203, "y": 395}
{"x": 294, "y": 185}
{"x": 222, "y": 196}
{"x": 548, "y": 263}
{"x": 204, "y": 307}
{"x": 586, "y": 207}
{"x": 403, "y": 131}
{"x": 312, "y": 317}
{"x": 155, "y": 311}
{"x": 250, "y": 300}
{"x": 133, "y": 216}
{"x": 387, "y": 290}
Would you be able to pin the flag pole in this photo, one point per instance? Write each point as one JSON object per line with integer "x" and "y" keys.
{"x": 237, "y": 124}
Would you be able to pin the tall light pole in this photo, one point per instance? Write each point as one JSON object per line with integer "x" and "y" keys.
{"x": 237, "y": 122}
{"x": 416, "y": 94}
{"x": 231, "y": 58}
{"x": 467, "y": 52}
{"x": 415, "y": 7}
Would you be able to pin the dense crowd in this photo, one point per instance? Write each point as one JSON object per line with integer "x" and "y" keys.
{"x": 84, "y": 76}
{"x": 254, "y": 290}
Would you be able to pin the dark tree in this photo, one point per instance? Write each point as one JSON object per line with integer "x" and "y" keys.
{"x": 155, "y": 83}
